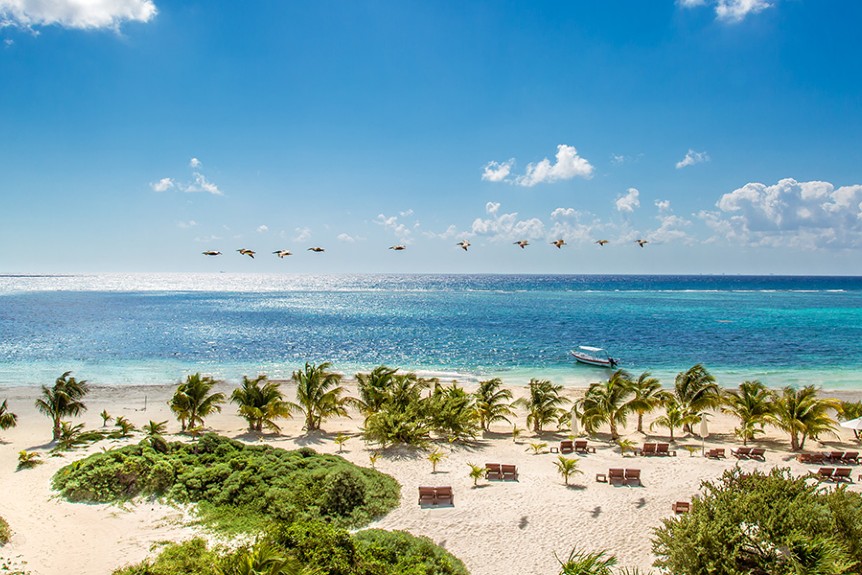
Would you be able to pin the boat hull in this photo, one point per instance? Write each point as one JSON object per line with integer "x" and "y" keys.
{"x": 594, "y": 361}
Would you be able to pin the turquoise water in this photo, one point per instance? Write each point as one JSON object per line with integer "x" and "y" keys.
{"x": 132, "y": 329}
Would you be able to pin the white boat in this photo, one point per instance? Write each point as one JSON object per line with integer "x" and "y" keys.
{"x": 594, "y": 356}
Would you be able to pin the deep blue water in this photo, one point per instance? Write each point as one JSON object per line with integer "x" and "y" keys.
{"x": 121, "y": 329}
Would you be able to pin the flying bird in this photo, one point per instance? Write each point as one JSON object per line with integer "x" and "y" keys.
{"x": 316, "y": 249}
{"x": 641, "y": 243}
{"x": 601, "y": 242}
{"x": 398, "y": 248}
{"x": 245, "y": 252}
{"x": 522, "y": 243}
{"x": 464, "y": 244}
{"x": 559, "y": 243}
{"x": 282, "y": 253}
{"x": 211, "y": 253}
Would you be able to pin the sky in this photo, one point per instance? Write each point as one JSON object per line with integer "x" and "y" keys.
{"x": 137, "y": 134}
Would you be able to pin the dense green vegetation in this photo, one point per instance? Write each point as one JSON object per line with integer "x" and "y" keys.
{"x": 5, "y": 532}
{"x": 255, "y": 480}
{"x": 756, "y": 524}
{"x": 308, "y": 548}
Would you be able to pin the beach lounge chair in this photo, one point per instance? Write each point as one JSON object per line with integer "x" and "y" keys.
{"x": 824, "y": 473}
{"x": 567, "y": 446}
{"x": 444, "y": 496}
{"x": 582, "y": 447}
{"x": 803, "y": 457}
{"x": 681, "y": 507}
{"x": 633, "y": 476}
{"x": 740, "y": 452}
{"x": 664, "y": 449}
{"x": 510, "y": 472}
{"x": 427, "y": 495}
{"x": 493, "y": 471}
{"x": 817, "y": 458}
{"x": 716, "y": 453}
{"x": 648, "y": 449}
{"x": 834, "y": 456}
{"x": 842, "y": 474}
{"x": 616, "y": 476}
{"x": 850, "y": 457}
{"x": 757, "y": 453}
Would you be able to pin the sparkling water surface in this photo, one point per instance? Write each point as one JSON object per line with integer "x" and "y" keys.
{"x": 155, "y": 328}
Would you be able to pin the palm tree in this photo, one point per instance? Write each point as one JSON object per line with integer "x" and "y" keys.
{"x": 802, "y": 414}
{"x": 585, "y": 563}
{"x": 674, "y": 417}
{"x": 155, "y": 428}
{"x": 7, "y": 418}
{"x": 435, "y": 457}
{"x": 126, "y": 426}
{"x": 262, "y": 559}
{"x": 106, "y": 417}
{"x": 192, "y": 401}
{"x": 375, "y": 388}
{"x": 260, "y": 405}
{"x": 318, "y": 394}
{"x": 544, "y": 404}
{"x": 567, "y": 467}
{"x": 476, "y": 473}
{"x": 648, "y": 395}
{"x": 63, "y": 400}
{"x": 696, "y": 391}
{"x": 492, "y": 403}
{"x": 752, "y": 405}
{"x": 607, "y": 403}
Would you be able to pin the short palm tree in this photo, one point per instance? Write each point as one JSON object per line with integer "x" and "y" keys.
{"x": 493, "y": 403}
{"x": 802, "y": 414}
{"x": 261, "y": 559}
{"x": 28, "y": 459}
{"x": 648, "y": 396}
{"x": 375, "y": 388}
{"x": 7, "y": 418}
{"x": 696, "y": 392}
{"x": 607, "y": 402}
{"x": 126, "y": 426}
{"x": 477, "y": 472}
{"x": 585, "y": 563}
{"x": 155, "y": 428}
{"x": 752, "y": 405}
{"x": 544, "y": 405}
{"x": 192, "y": 401}
{"x": 340, "y": 440}
{"x": 64, "y": 399}
{"x": 435, "y": 457}
{"x": 567, "y": 467}
{"x": 106, "y": 417}
{"x": 319, "y": 395}
{"x": 70, "y": 435}
{"x": 260, "y": 403}
{"x": 674, "y": 416}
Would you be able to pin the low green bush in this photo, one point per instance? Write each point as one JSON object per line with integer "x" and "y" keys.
{"x": 5, "y": 532}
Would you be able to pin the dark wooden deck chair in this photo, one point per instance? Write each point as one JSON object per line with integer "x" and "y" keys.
{"x": 842, "y": 474}
{"x": 427, "y": 495}
{"x": 493, "y": 471}
{"x": 633, "y": 476}
{"x": 716, "y": 453}
{"x": 444, "y": 496}
{"x": 850, "y": 457}
{"x": 648, "y": 449}
{"x": 567, "y": 446}
{"x": 740, "y": 452}
{"x": 581, "y": 445}
{"x": 824, "y": 473}
{"x": 681, "y": 507}
{"x": 817, "y": 458}
{"x": 834, "y": 456}
{"x": 664, "y": 449}
{"x": 803, "y": 457}
{"x": 757, "y": 453}
{"x": 616, "y": 476}
{"x": 510, "y": 472}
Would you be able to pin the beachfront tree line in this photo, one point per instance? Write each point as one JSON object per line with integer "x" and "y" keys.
{"x": 404, "y": 408}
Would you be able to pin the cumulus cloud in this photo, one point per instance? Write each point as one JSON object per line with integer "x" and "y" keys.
{"x": 78, "y": 14}
{"x": 201, "y": 184}
{"x": 302, "y": 234}
{"x": 568, "y": 165}
{"x": 497, "y": 171}
{"x": 162, "y": 185}
{"x": 662, "y": 205}
{"x": 406, "y": 213}
{"x": 262, "y": 229}
{"x": 449, "y": 233}
{"x": 799, "y": 214}
{"x": 347, "y": 238}
{"x": 691, "y": 3}
{"x": 691, "y": 158}
{"x": 628, "y": 202}
{"x": 564, "y": 213}
{"x": 671, "y": 229}
{"x": 506, "y": 226}
{"x": 195, "y": 164}
{"x": 730, "y": 11}
{"x": 401, "y": 230}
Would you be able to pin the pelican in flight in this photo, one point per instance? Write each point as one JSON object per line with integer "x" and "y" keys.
{"x": 559, "y": 243}
{"x": 522, "y": 243}
{"x": 464, "y": 244}
{"x": 211, "y": 253}
{"x": 641, "y": 243}
{"x": 245, "y": 252}
{"x": 282, "y": 253}
{"x": 398, "y": 248}
{"x": 316, "y": 249}
{"x": 601, "y": 242}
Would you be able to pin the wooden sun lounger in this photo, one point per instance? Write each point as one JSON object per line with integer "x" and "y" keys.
{"x": 681, "y": 507}
{"x": 716, "y": 453}
{"x": 842, "y": 474}
{"x": 567, "y": 446}
{"x": 427, "y": 495}
{"x": 850, "y": 457}
{"x": 833, "y": 456}
{"x": 633, "y": 476}
{"x": 582, "y": 447}
{"x": 757, "y": 453}
{"x": 493, "y": 471}
{"x": 616, "y": 476}
{"x": 824, "y": 473}
{"x": 648, "y": 449}
{"x": 664, "y": 449}
{"x": 510, "y": 472}
{"x": 740, "y": 452}
{"x": 436, "y": 496}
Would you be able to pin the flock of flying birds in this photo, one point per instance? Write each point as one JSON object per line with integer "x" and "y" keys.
{"x": 464, "y": 244}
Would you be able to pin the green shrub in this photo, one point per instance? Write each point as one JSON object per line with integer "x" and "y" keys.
{"x": 187, "y": 558}
{"x": 399, "y": 553}
{"x": 5, "y": 532}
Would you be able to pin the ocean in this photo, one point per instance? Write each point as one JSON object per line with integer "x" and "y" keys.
{"x": 129, "y": 329}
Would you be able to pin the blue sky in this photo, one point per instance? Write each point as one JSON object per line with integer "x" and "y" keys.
{"x": 139, "y": 133}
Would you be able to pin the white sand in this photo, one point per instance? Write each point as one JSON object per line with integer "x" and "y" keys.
{"x": 498, "y": 527}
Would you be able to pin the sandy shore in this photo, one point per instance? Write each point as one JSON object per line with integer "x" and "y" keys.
{"x": 497, "y": 527}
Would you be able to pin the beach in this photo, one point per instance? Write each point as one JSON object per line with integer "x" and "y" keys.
{"x": 512, "y": 526}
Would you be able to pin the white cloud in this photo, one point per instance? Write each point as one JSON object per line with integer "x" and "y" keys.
{"x": 195, "y": 164}
{"x": 8, "y": 41}
{"x": 201, "y": 184}
{"x": 662, "y": 205}
{"x": 691, "y": 3}
{"x": 568, "y": 165}
{"x": 187, "y": 225}
{"x": 617, "y": 158}
{"x": 406, "y": 213}
{"x": 691, "y": 158}
{"x": 262, "y": 229}
{"x": 628, "y": 202}
{"x": 790, "y": 213}
{"x": 80, "y": 14}
{"x": 671, "y": 229}
{"x": 497, "y": 171}
{"x": 564, "y": 213}
{"x": 346, "y": 238}
{"x": 736, "y": 10}
{"x": 391, "y": 223}
{"x": 507, "y": 226}
{"x": 302, "y": 234}
{"x": 162, "y": 185}
{"x": 451, "y": 232}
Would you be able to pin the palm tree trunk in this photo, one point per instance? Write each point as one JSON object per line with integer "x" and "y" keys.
{"x": 640, "y": 422}
{"x": 671, "y": 432}
{"x": 614, "y": 434}
{"x": 56, "y": 427}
